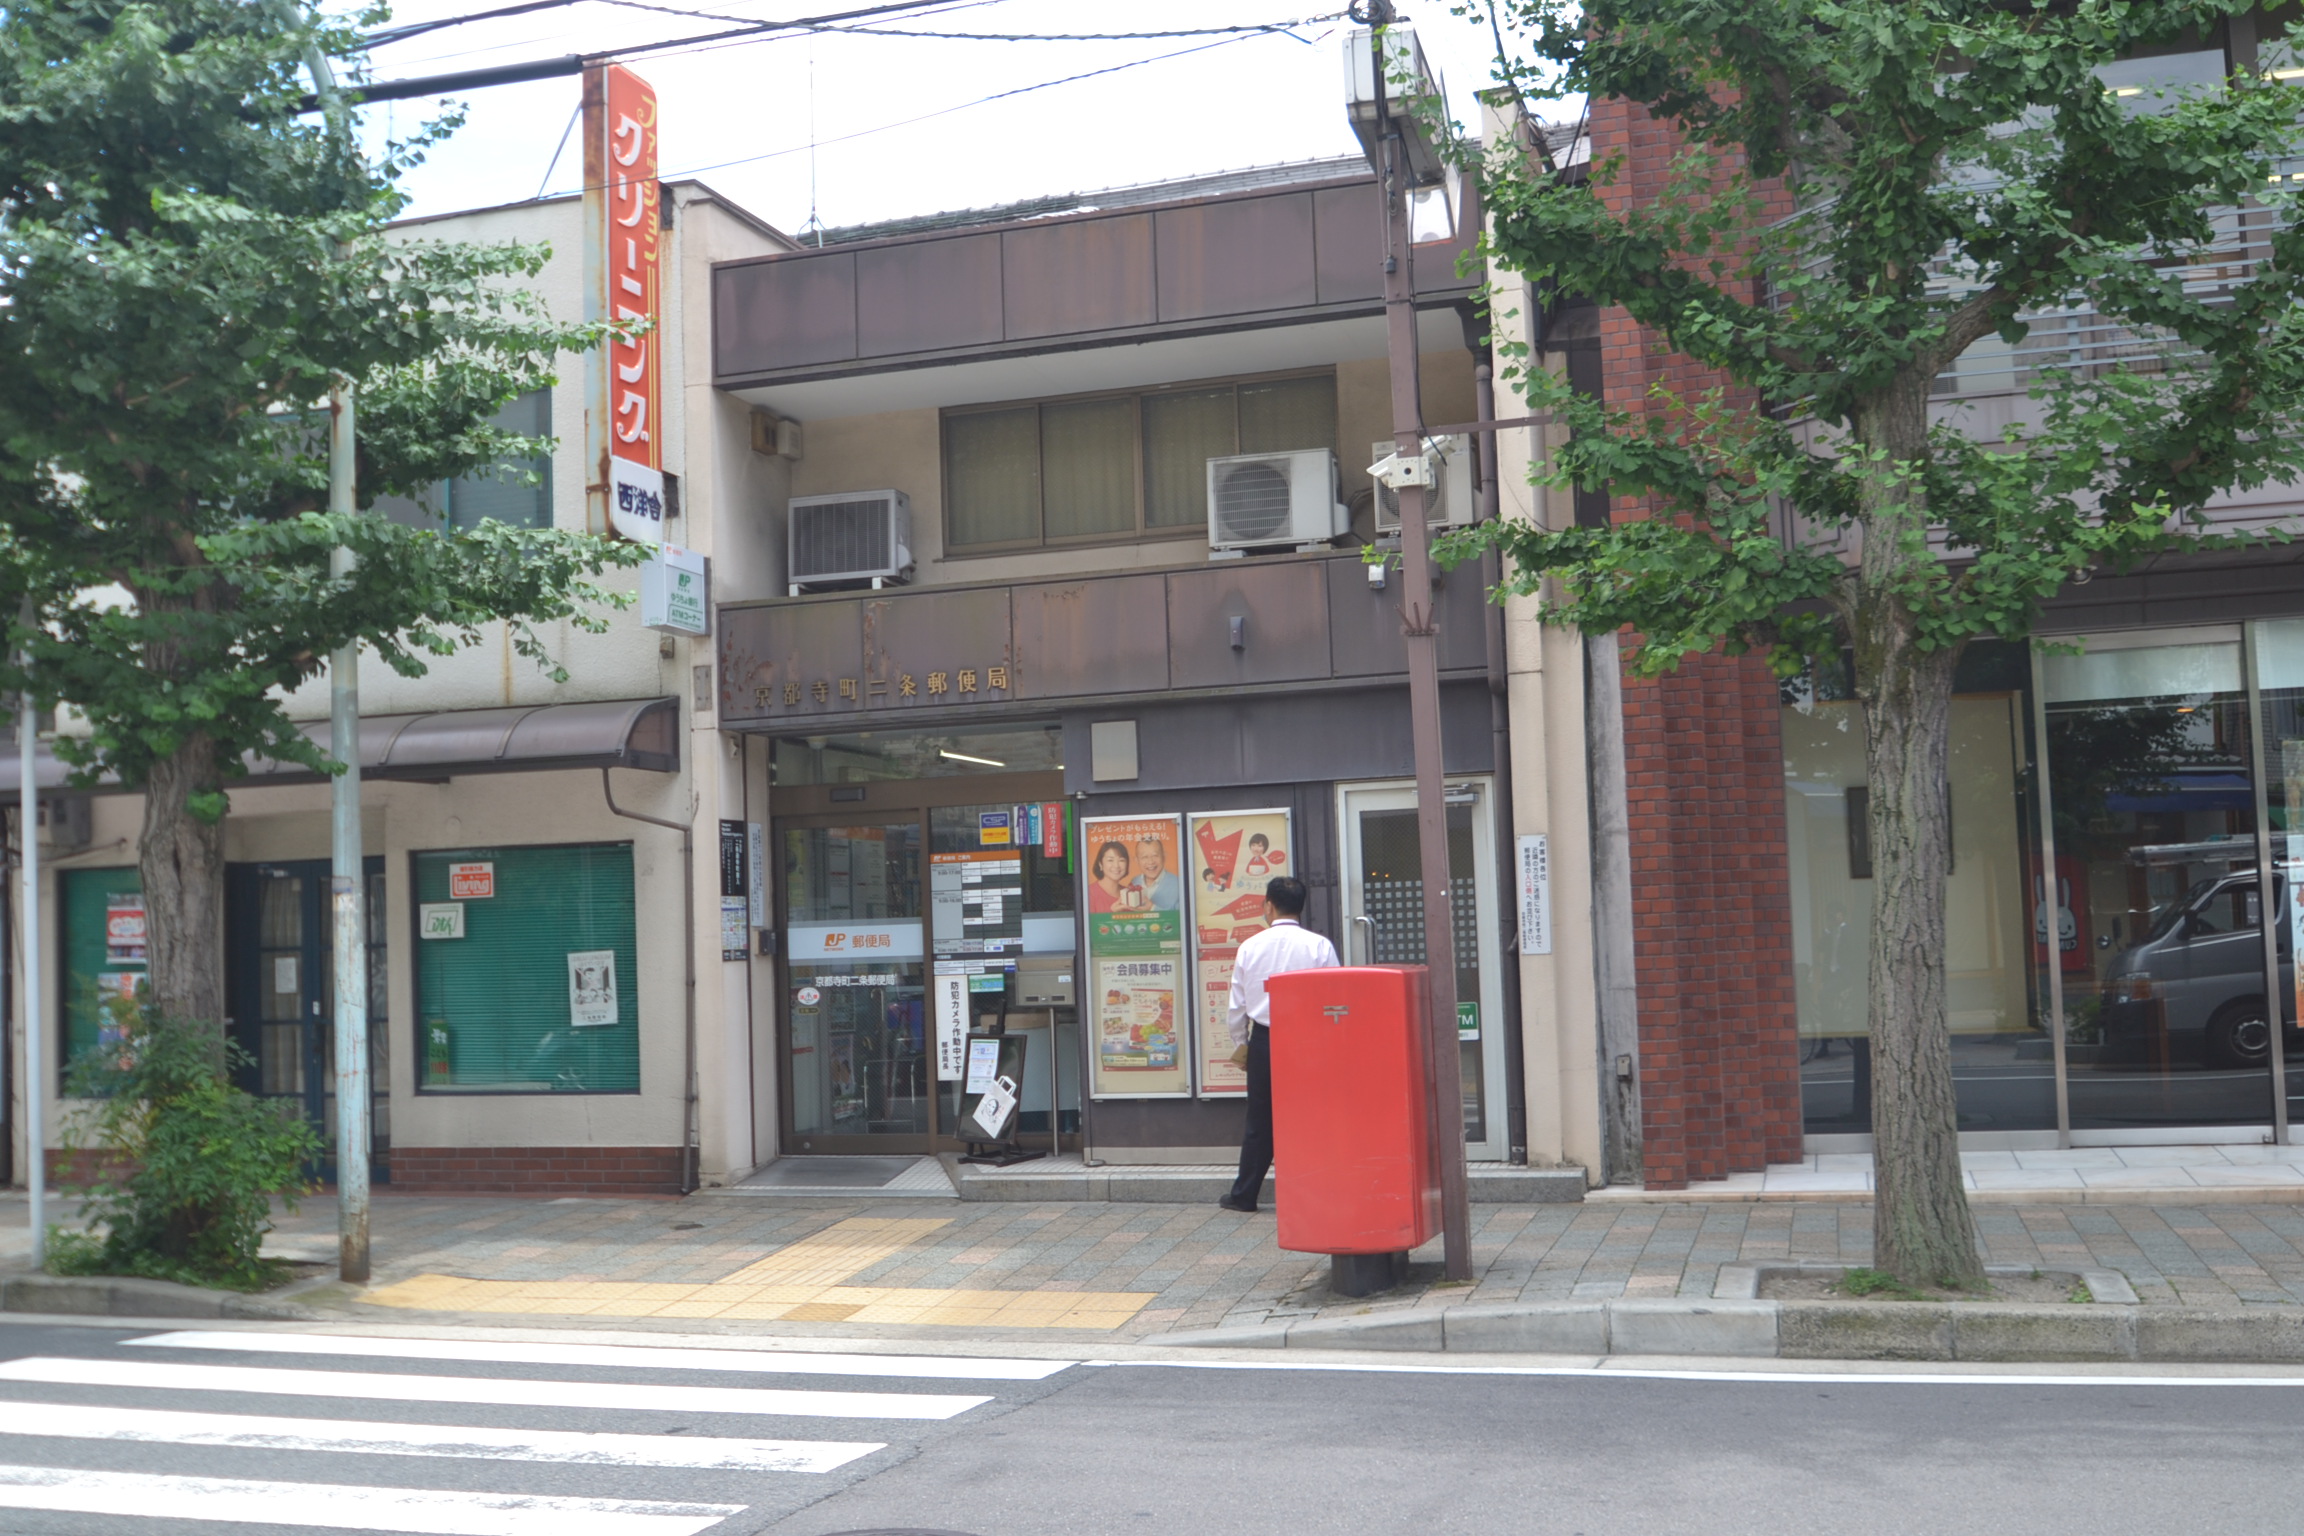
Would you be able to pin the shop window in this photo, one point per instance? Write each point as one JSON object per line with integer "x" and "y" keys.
{"x": 516, "y": 491}
{"x": 2000, "y": 1054}
{"x": 103, "y": 952}
{"x": 527, "y": 970}
{"x": 1116, "y": 466}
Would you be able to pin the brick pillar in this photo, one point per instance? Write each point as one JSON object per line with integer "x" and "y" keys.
{"x": 1704, "y": 775}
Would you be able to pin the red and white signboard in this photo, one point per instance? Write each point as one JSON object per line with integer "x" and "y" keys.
{"x": 472, "y": 882}
{"x": 634, "y": 275}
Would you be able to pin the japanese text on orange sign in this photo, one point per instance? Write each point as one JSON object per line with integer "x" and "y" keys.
{"x": 633, "y": 277}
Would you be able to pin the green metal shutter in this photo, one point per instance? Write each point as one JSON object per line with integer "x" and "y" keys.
{"x": 493, "y": 1011}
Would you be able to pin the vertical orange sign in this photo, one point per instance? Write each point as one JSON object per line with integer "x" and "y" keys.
{"x": 635, "y": 364}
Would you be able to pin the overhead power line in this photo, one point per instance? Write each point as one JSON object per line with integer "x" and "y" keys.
{"x": 574, "y": 63}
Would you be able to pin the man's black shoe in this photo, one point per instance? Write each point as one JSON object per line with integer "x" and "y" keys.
{"x": 1235, "y": 1203}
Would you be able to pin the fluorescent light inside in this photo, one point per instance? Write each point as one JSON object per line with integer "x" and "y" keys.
{"x": 962, "y": 757}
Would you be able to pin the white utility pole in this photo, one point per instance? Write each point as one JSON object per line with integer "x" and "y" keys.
{"x": 347, "y": 872}
{"x": 35, "y": 1082}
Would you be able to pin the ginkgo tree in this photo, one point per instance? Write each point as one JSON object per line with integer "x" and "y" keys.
{"x": 186, "y": 261}
{"x": 1859, "y": 191}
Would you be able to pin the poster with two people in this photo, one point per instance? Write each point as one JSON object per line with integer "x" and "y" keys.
{"x": 1169, "y": 897}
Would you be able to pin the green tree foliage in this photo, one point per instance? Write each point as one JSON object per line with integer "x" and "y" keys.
{"x": 189, "y": 1164}
{"x": 1896, "y": 181}
{"x": 185, "y": 262}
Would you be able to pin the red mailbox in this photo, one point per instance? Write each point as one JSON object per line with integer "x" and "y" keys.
{"x": 1351, "y": 1112}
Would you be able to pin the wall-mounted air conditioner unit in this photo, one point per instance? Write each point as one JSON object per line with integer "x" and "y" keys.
{"x": 1260, "y": 500}
{"x": 852, "y": 536}
{"x": 1450, "y": 504}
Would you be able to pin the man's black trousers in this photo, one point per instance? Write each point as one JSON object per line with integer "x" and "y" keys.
{"x": 1256, "y": 1145}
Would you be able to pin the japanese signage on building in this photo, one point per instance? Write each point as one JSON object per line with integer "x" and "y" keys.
{"x": 633, "y": 275}
{"x": 675, "y": 592}
{"x": 1535, "y": 894}
{"x": 1139, "y": 1015}
{"x": 1234, "y": 855}
{"x": 937, "y": 685}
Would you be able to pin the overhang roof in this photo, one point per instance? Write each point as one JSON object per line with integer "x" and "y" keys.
{"x": 615, "y": 733}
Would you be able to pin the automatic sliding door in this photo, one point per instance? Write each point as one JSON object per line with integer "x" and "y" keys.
{"x": 859, "y": 1064}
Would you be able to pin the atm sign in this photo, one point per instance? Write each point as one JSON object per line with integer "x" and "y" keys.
{"x": 471, "y": 882}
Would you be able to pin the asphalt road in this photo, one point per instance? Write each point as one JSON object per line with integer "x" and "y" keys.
{"x": 138, "y": 1433}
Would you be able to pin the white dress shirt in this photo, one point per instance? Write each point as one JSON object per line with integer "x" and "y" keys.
{"x": 1285, "y": 946}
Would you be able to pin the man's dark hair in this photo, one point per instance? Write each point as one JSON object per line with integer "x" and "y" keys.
{"x": 1286, "y": 893}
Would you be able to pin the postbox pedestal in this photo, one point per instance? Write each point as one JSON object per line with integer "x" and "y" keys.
{"x": 1351, "y": 1119}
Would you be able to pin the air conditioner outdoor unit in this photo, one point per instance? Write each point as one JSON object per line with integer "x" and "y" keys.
{"x": 1258, "y": 500}
{"x": 848, "y": 536}
{"x": 1450, "y": 505}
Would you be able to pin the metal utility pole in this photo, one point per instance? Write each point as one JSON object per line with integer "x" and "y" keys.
{"x": 347, "y": 877}
{"x": 28, "y": 836}
{"x": 1420, "y": 625}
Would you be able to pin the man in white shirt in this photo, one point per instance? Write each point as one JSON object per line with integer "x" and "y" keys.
{"x": 1285, "y": 946}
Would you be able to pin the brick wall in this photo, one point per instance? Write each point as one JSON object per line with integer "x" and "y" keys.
{"x": 1704, "y": 768}
{"x": 535, "y": 1170}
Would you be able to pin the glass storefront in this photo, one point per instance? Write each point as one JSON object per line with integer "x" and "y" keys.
{"x": 859, "y": 1046}
{"x": 2137, "y": 906}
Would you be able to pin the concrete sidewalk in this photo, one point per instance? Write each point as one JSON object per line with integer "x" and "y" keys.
{"x": 922, "y": 1269}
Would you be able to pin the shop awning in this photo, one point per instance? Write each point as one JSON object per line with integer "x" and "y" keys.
{"x": 617, "y": 733}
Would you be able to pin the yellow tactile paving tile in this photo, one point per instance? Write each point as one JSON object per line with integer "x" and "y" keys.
{"x": 798, "y": 1283}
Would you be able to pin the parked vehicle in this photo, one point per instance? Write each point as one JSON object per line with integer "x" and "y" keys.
{"x": 2194, "y": 985}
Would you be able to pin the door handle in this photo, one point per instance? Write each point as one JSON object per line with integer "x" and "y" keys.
{"x": 1368, "y": 940}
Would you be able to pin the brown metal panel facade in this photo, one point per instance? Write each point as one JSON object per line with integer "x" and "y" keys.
{"x": 1277, "y": 611}
{"x": 1062, "y": 279}
{"x": 926, "y": 649}
{"x": 927, "y": 295}
{"x": 1364, "y": 632}
{"x": 1076, "y": 638}
{"x": 1348, "y": 239}
{"x": 1236, "y": 257}
{"x": 784, "y": 314}
{"x": 772, "y": 657}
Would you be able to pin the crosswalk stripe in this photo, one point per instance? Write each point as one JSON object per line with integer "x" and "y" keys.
{"x": 53, "y": 1371}
{"x": 345, "y": 1507}
{"x": 153, "y": 1426}
{"x": 647, "y": 1357}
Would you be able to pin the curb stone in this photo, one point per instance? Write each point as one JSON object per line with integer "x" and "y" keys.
{"x": 1802, "y": 1330}
{"x": 1742, "y": 1282}
{"x": 128, "y": 1296}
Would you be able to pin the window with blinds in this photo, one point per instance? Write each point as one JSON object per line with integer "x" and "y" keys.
{"x": 1117, "y": 466}
{"x": 100, "y": 961}
{"x": 539, "y": 991}
{"x": 516, "y": 491}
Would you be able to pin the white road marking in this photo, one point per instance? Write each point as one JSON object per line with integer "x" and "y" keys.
{"x": 1644, "y": 1373}
{"x": 153, "y": 1426}
{"x": 646, "y": 1357}
{"x": 160, "y": 1376}
{"x": 346, "y": 1507}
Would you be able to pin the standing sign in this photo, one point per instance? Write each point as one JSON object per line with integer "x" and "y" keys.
{"x": 1535, "y": 894}
{"x": 633, "y": 272}
{"x": 1235, "y": 854}
{"x": 1138, "y": 1012}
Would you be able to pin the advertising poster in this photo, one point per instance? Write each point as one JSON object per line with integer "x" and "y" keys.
{"x": 2292, "y": 871}
{"x": 591, "y": 988}
{"x": 1138, "y": 1015}
{"x": 1234, "y": 855}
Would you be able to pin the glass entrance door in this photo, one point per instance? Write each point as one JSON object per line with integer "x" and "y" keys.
{"x": 1384, "y": 924}
{"x": 860, "y": 1070}
{"x": 280, "y": 977}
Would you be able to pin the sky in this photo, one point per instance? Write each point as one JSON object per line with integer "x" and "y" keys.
{"x": 877, "y": 108}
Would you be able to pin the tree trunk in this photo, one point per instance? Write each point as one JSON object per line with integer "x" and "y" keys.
{"x": 181, "y": 856}
{"x": 1922, "y": 1231}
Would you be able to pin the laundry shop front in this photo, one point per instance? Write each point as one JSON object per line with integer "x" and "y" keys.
{"x": 1049, "y": 809}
